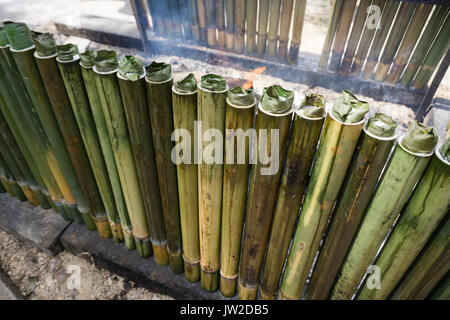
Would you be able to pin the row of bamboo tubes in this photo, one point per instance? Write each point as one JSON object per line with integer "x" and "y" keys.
{"x": 93, "y": 138}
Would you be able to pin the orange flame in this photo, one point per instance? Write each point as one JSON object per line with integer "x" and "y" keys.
{"x": 252, "y": 76}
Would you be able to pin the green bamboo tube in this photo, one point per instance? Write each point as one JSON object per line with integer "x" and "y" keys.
{"x": 364, "y": 44}
{"x": 380, "y": 36}
{"x": 285, "y": 28}
{"x": 132, "y": 87}
{"x": 211, "y": 104}
{"x": 307, "y": 126}
{"x": 275, "y": 113}
{"x": 428, "y": 268}
{"x": 297, "y": 30}
{"x": 425, "y": 43}
{"x": 13, "y": 173}
{"x": 331, "y": 30}
{"x": 229, "y": 35}
{"x": 239, "y": 112}
{"x": 428, "y": 206}
{"x": 343, "y": 29}
{"x": 409, "y": 42}
{"x": 355, "y": 36}
{"x": 340, "y": 135}
{"x": 105, "y": 69}
{"x": 106, "y": 150}
{"x": 405, "y": 16}
{"x": 435, "y": 55}
{"x": 8, "y": 180}
{"x": 251, "y": 12}
{"x": 159, "y": 96}
{"x": 201, "y": 12}
{"x": 409, "y": 161}
{"x": 274, "y": 23}
{"x": 263, "y": 19}
{"x": 184, "y": 98}
{"x": 367, "y": 164}
{"x": 194, "y": 20}
{"x": 239, "y": 26}
{"x": 442, "y": 290}
{"x": 210, "y": 8}
{"x": 220, "y": 19}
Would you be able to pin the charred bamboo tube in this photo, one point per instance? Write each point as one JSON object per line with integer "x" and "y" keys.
{"x": 239, "y": 26}
{"x": 251, "y": 12}
{"x": 134, "y": 97}
{"x": 105, "y": 68}
{"x": 380, "y": 36}
{"x": 437, "y": 51}
{"x": 194, "y": 20}
{"x": 308, "y": 122}
{"x": 201, "y": 11}
{"x": 159, "y": 95}
{"x": 428, "y": 268}
{"x": 220, "y": 18}
{"x": 272, "y": 124}
{"x": 428, "y": 206}
{"x": 229, "y": 36}
{"x": 285, "y": 28}
{"x": 367, "y": 164}
{"x": 211, "y": 106}
{"x": 105, "y": 154}
{"x": 8, "y": 181}
{"x": 404, "y": 15}
{"x": 176, "y": 19}
{"x": 297, "y": 30}
{"x": 210, "y": 8}
{"x": 238, "y": 119}
{"x": 274, "y": 24}
{"x": 263, "y": 19}
{"x": 355, "y": 36}
{"x": 184, "y": 97}
{"x": 343, "y": 29}
{"x": 425, "y": 43}
{"x": 340, "y": 135}
{"x": 331, "y": 30}
{"x": 409, "y": 42}
{"x": 186, "y": 19}
{"x": 409, "y": 161}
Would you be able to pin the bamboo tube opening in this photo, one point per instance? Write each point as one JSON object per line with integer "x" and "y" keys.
{"x": 393, "y": 137}
{"x": 439, "y": 155}
{"x": 420, "y": 155}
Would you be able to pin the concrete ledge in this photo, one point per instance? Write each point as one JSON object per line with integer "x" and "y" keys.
{"x": 8, "y": 291}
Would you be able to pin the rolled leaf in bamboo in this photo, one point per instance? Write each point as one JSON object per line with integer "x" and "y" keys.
{"x": 285, "y": 28}
{"x": 331, "y": 31}
{"x": 297, "y": 29}
{"x": 272, "y": 125}
{"x": 239, "y": 26}
{"x": 184, "y": 98}
{"x": 159, "y": 94}
{"x": 274, "y": 24}
{"x": 201, "y": 12}
{"x": 340, "y": 135}
{"x": 211, "y": 104}
{"x": 368, "y": 162}
{"x": 238, "y": 119}
{"x": 229, "y": 36}
{"x": 251, "y": 13}
{"x": 428, "y": 206}
{"x": 408, "y": 163}
{"x": 263, "y": 21}
{"x": 307, "y": 126}
{"x": 193, "y": 12}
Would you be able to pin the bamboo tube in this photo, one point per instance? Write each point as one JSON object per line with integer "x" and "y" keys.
{"x": 442, "y": 290}
{"x": 367, "y": 164}
{"x": 428, "y": 268}
{"x": 184, "y": 97}
{"x": 285, "y": 28}
{"x": 307, "y": 126}
{"x": 273, "y": 119}
{"x": 220, "y": 18}
{"x": 340, "y": 135}
{"x": 229, "y": 36}
{"x": 428, "y": 206}
{"x": 263, "y": 19}
{"x": 210, "y": 8}
{"x": 404, "y": 15}
{"x": 297, "y": 30}
{"x": 159, "y": 95}
{"x": 251, "y": 12}
{"x": 409, "y": 42}
{"x": 194, "y": 20}
{"x": 274, "y": 23}
{"x": 211, "y": 106}
{"x": 132, "y": 87}
{"x": 106, "y": 150}
{"x": 380, "y": 36}
{"x": 9, "y": 182}
{"x": 343, "y": 29}
{"x": 437, "y": 51}
{"x": 185, "y": 19}
{"x": 425, "y": 43}
{"x": 355, "y": 35}
{"x": 331, "y": 30}
{"x": 201, "y": 11}
{"x": 175, "y": 17}
{"x": 409, "y": 161}
{"x": 105, "y": 68}
{"x": 238, "y": 119}
{"x": 239, "y": 26}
